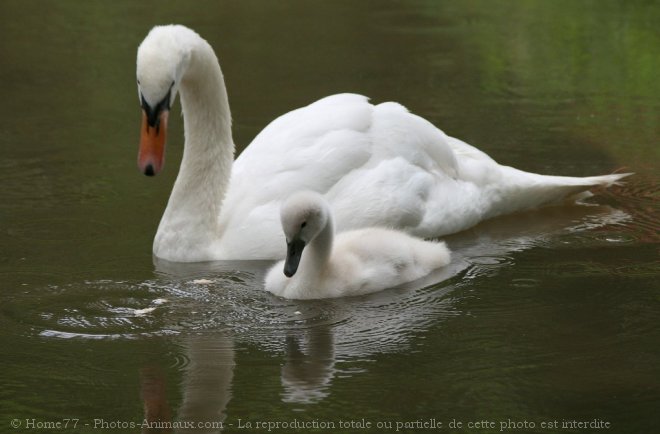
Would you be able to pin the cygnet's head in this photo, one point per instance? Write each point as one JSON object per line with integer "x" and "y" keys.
{"x": 304, "y": 215}
{"x": 162, "y": 60}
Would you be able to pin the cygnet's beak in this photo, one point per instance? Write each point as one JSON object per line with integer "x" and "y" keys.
{"x": 294, "y": 251}
{"x": 151, "y": 155}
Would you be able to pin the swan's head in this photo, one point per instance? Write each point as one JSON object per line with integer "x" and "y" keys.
{"x": 304, "y": 215}
{"x": 162, "y": 59}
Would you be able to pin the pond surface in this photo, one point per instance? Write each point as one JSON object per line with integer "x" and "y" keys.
{"x": 545, "y": 317}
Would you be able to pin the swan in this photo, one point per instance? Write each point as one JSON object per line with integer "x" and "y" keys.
{"x": 358, "y": 262}
{"x": 377, "y": 165}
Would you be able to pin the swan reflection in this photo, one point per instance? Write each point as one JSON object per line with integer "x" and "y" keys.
{"x": 309, "y": 365}
{"x": 206, "y": 388}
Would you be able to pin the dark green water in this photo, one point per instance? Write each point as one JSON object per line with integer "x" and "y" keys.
{"x": 548, "y": 316}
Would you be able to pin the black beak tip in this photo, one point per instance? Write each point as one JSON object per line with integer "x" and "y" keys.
{"x": 149, "y": 170}
{"x": 293, "y": 252}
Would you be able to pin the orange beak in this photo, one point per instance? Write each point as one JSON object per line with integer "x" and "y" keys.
{"x": 151, "y": 155}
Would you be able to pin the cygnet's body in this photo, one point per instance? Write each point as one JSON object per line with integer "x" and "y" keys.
{"x": 357, "y": 262}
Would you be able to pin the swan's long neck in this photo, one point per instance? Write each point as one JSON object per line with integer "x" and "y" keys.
{"x": 190, "y": 222}
{"x": 316, "y": 257}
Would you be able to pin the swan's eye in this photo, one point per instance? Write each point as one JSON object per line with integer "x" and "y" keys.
{"x": 138, "y": 82}
{"x": 303, "y": 225}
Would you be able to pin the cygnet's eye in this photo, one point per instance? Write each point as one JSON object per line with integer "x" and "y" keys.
{"x": 303, "y": 225}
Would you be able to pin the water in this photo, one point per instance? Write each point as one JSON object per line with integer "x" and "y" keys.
{"x": 543, "y": 317}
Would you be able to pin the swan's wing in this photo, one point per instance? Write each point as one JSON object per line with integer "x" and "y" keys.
{"x": 309, "y": 148}
{"x": 401, "y": 134}
{"x": 377, "y": 165}
{"x": 395, "y": 187}
{"x": 340, "y": 133}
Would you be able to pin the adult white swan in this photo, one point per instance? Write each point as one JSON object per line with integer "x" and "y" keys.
{"x": 377, "y": 165}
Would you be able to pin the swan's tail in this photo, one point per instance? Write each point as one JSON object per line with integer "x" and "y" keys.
{"x": 532, "y": 190}
{"x": 603, "y": 181}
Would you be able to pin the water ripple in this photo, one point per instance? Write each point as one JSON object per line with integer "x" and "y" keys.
{"x": 93, "y": 310}
{"x": 228, "y": 297}
{"x": 640, "y": 198}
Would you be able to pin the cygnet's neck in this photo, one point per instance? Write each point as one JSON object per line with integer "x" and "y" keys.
{"x": 316, "y": 257}
{"x": 190, "y": 222}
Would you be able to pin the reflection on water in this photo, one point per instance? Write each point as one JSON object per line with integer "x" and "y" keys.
{"x": 309, "y": 364}
{"x": 206, "y": 388}
{"x": 543, "y": 315}
{"x": 207, "y": 379}
{"x": 153, "y": 392}
{"x": 211, "y": 306}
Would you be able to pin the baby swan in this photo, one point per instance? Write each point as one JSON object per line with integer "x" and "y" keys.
{"x": 358, "y": 262}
